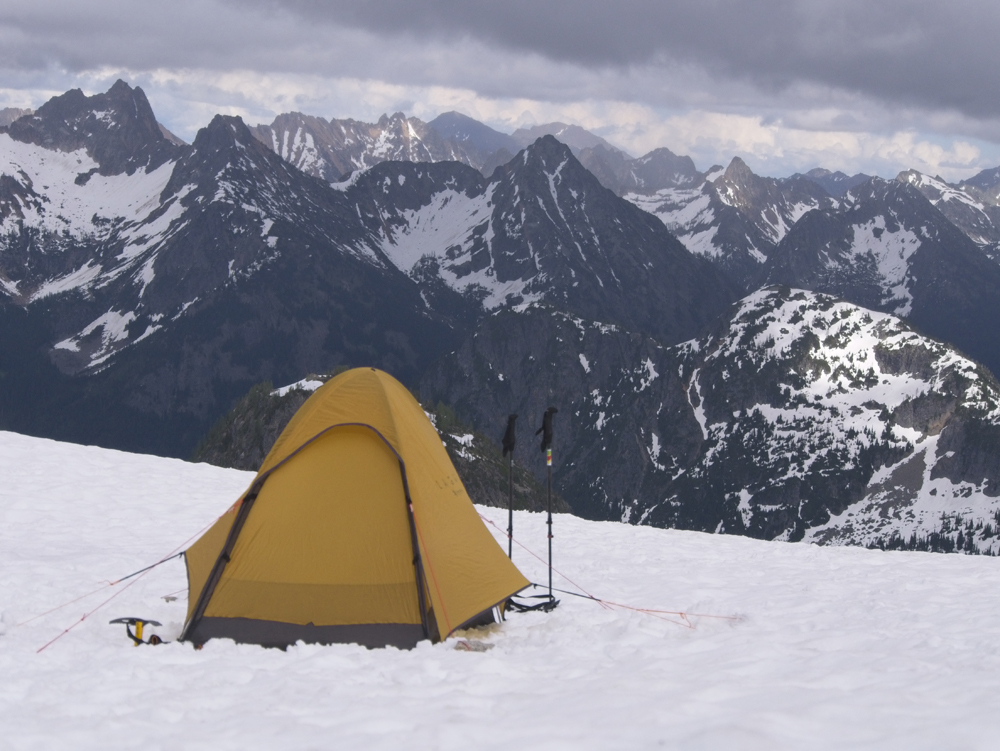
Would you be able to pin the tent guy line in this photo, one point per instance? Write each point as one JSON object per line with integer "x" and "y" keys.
{"x": 549, "y": 563}
{"x": 85, "y": 616}
{"x": 608, "y": 604}
{"x": 175, "y": 553}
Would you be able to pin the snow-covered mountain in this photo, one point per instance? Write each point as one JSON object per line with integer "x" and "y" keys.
{"x": 332, "y": 149}
{"x": 541, "y": 229}
{"x": 126, "y": 231}
{"x": 853, "y": 429}
{"x": 177, "y": 276}
{"x": 734, "y": 217}
{"x": 221, "y": 261}
{"x": 800, "y": 415}
{"x": 147, "y": 285}
{"x": 886, "y": 247}
{"x": 972, "y": 205}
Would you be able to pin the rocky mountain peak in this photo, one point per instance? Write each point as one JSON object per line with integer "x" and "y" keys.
{"x": 834, "y": 183}
{"x": 226, "y": 159}
{"x": 10, "y": 114}
{"x": 547, "y": 152}
{"x": 740, "y": 187}
{"x": 465, "y": 129}
{"x": 574, "y": 136}
{"x": 396, "y": 119}
{"x": 222, "y": 133}
{"x": 332, "y": 150}
{"x": 738, "y": 173}
{"x": 878, "y": 194}
{"x": 987, "y": 180}
{"x": 117, "y": 129}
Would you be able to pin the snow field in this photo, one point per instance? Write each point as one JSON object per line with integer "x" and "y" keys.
{"x": 835, "y": 647}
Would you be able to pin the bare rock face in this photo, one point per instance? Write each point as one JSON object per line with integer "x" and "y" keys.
{"x": 972, "y": 205}
{"x": 657, "y": 170}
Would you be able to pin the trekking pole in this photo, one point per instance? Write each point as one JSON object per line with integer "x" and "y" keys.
{"x": 546, "y": 431}
{"x": 548, "y": 461}
{"x": 510, "y": 508}
{"x": 509, "y": 439}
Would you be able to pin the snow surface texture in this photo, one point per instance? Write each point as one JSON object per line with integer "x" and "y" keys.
{"x": 835, "y": 647}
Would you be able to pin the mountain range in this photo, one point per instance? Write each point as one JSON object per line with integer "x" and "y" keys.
{"x": 728, "y": 352}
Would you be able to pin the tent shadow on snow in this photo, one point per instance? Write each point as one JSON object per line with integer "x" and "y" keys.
{"x": 355, "y": 529}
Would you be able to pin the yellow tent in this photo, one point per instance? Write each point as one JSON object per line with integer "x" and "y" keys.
{"x": 355, "y": 529}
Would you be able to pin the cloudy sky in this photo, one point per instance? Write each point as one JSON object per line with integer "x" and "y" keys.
{"x": 855, "y": 85}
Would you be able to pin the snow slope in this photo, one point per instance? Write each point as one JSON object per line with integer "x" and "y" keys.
{"x": 835, "y": 647}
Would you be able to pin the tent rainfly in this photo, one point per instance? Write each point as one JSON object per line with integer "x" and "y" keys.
{"x": 355, "y": 529}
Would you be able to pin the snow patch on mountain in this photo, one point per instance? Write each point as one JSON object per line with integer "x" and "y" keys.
{"x": 907, "y": 502}
{"x": 112, "y": 326}
{"x": 306, "y": 384}
{"x": 61, "y": 204}
{"x": 82, "y": 277}
{"x": 891, "y": 251}
{"x": 447, "y": 231}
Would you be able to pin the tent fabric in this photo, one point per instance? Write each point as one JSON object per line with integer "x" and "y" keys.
{"x": 324, "y": 546}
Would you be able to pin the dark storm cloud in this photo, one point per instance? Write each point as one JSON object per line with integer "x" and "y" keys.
{"x": 779, "y": 55}
{"x": 927, "y": 53}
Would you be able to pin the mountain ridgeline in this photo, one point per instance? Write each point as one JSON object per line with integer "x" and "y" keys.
{"x": 792, "y": 358}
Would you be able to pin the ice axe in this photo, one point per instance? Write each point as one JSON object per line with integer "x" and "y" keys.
{"x": 139, "y": 623}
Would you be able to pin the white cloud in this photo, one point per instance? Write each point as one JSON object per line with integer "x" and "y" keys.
{"x": 186, "y": 99}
